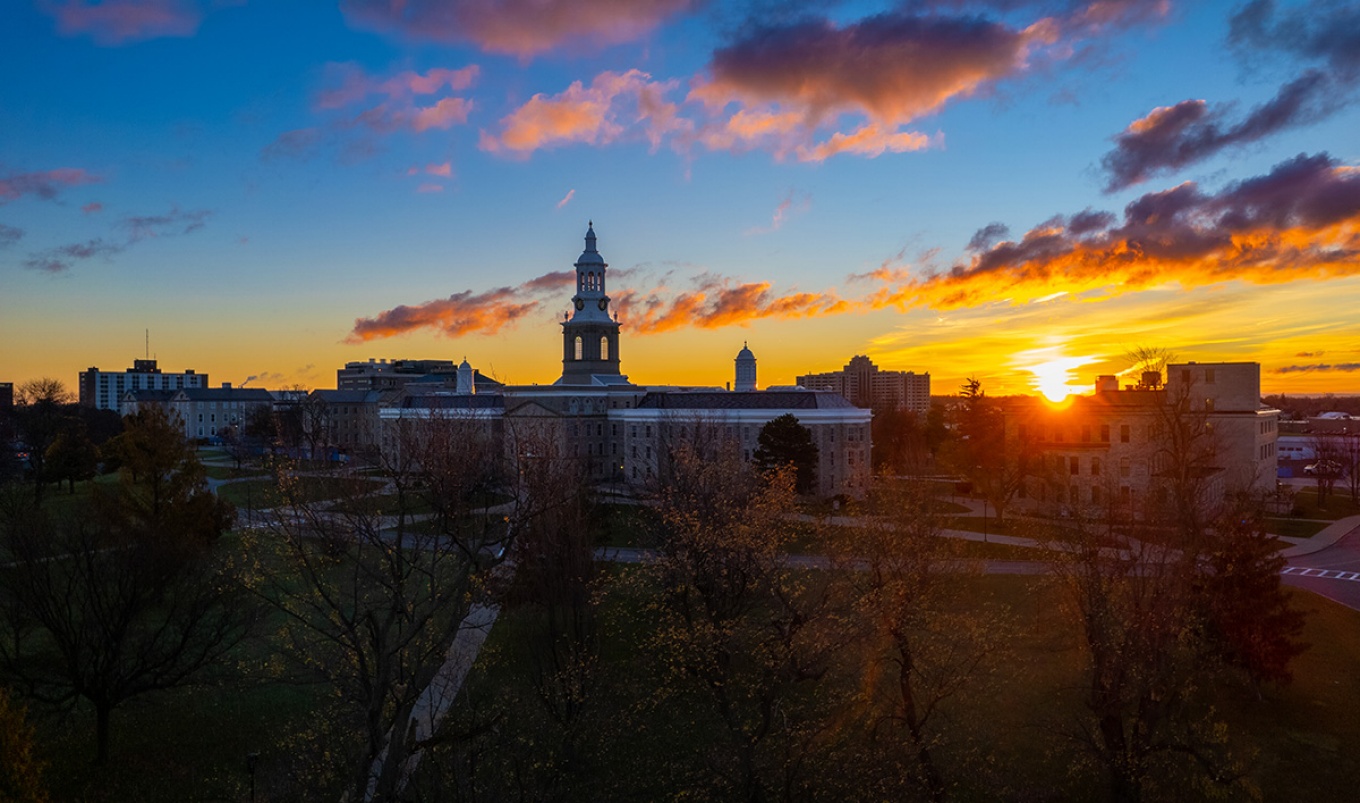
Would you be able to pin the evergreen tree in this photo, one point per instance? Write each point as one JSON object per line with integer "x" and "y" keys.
{"x": 784, "y": 442}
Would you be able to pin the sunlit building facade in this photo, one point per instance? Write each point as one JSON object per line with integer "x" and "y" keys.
{"x": 1121, "y": 447}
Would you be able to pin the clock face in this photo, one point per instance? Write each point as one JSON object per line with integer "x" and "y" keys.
{"x": 580, "y": 304}
{"x": 603, "y": 303}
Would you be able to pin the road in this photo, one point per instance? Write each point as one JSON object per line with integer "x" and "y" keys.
{"x": 1332, "y": 571}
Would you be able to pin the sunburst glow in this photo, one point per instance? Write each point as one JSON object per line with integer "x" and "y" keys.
{"x": 1052, "y": 372}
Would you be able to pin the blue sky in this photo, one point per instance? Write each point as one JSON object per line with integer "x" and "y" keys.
{"x": 273, "y": 188}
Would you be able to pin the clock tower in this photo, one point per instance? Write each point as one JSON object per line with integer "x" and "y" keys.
{"x": 590, "y": 337}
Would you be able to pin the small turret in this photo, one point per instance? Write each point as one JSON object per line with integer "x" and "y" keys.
{"x": 466, "y": 383}
{"x": 746, "y": 369}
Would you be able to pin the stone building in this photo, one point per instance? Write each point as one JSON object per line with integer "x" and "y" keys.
{"x": 618, "y": 431}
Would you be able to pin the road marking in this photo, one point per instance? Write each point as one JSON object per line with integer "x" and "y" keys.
{"x": 1323, "y": 574}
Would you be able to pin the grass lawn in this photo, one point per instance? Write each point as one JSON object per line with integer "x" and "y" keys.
{"x": 1296, "y": 739}
{"x": 1294, "y": 528}
{"x": 1337, "y": 505}
{"x": 232, "y": 473}
{"x": 264, "y": 493}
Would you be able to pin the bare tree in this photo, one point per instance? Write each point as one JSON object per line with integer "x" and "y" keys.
{"x": 124, "y": 598}
{"x": 1329, "y": 453}
{"x": 738, "y": 627}
{"x": 926, "y": 645}
{"x": 1349, "y": 454}
{"x": 42, "y": 412}
{"x": 374, "y": 587}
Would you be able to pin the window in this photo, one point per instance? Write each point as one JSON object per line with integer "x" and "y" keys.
{"x": 1085, "y": 433}
{"x": 1074, "y": 466}
{"x": 604, "y": 348}
{"x": 1125, "y": 433}
{"x": 1104, "y": 433}
{"x": 1095, "y": 467}
{"x": 1095, "y": 494}
{"x": 1123, "y": 467}
{"x": 1208, "y": 376}
{"x": 1057, "y": 434}
{"x": 579, "y": 347}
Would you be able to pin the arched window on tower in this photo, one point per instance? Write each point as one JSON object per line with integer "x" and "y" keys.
{"x": 604, "y": 348}
{"x": 579, "y": 347}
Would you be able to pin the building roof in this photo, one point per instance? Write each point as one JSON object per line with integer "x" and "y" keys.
{"x": 452, "y": 401}
{"x": 745, "y": 400}
{"x": 227, "y": 394}
{"x": 143, "y": 396}
{"x": 347, "y": 396}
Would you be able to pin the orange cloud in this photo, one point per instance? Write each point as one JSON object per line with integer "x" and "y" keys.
{"x": 354, "y": 84}
{"x": 407, "y": 102}
{"x": 1301, "y": 220}
{"x": 720, "y": 302}
{"x": 518, "y": 27}
{"x": 116, "y": 22}
{"x": 459, "y": 314}
{"x": 715, "y": 302}
{"x": 597, "y": 114}
{"x": 870, "y": 140}
{"x": 442, "y": 115}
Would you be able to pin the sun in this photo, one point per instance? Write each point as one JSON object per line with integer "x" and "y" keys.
{"x": 1052, "y": 371}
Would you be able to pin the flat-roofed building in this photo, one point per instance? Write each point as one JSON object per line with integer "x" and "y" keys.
{"x": 104, "y": 390}
{"x": 866, "y": 385}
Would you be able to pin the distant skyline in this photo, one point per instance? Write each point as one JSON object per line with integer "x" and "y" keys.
{"x": 1017, "y": 190}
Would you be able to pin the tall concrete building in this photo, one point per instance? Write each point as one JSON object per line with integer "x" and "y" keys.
{"x": 866, "y": 385}
{"x": 104, "y": 390}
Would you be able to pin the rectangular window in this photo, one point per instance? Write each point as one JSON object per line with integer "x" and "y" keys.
{"x": 1074, "y": 466}
{"x": 1095, "y": 467}
{"x": 1124, "y": 467}
{"x": 1208, "y": 376}
{"x": 1125, "y": 433}
{"x": 1085, "y": 433}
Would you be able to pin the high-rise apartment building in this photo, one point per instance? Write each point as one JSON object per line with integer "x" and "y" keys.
{"x": 103, "y": 390}
{"x": 866, "y": 385}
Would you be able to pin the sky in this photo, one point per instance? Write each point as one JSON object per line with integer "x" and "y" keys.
{"x": 1021, "y": 191}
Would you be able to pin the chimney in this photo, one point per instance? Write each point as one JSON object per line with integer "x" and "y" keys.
{"x": 1107, "y": 383}
{"x": 226, "y": 386}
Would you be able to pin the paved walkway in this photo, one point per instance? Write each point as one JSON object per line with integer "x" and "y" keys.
{"x": 1326, "y": 538}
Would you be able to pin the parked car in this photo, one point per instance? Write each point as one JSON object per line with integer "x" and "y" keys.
{"x": 1325, "y": 468}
